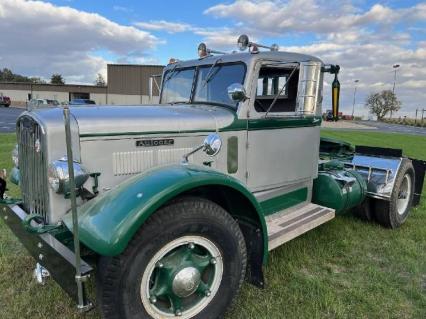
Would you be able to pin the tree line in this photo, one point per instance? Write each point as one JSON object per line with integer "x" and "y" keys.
{"x": 6, "y": 75}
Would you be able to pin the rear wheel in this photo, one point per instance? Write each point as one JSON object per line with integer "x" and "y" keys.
{"x": 188, "y": 260}
{"x": 393, "y": 213}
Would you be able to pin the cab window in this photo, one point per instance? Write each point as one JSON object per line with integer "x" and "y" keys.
{"x": 272, "y": 81}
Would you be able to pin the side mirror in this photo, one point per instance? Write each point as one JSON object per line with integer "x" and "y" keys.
{"x": 236, "y": 92}
{"x": 212, "y": 144}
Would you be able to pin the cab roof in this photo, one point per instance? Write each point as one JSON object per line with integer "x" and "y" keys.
{"x": 247, "y": 57}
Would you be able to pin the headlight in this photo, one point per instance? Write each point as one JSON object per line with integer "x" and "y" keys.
{"x": 59, "y": 178}
{"x": 15, "y": 157}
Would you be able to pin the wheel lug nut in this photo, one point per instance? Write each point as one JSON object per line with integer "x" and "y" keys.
{"x": 213, "y": 261}
{"x": 178, "y": 313}
{"x": 191, "y": 246}
{"x": 153, "y": 299}
{"x": 207, "y": 293}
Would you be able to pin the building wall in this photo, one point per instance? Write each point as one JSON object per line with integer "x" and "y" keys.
{"x": 127, "y": 84}
{"x": 132, "y": 79}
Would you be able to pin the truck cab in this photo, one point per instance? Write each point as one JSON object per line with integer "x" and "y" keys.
{"x": 176, "y": 204}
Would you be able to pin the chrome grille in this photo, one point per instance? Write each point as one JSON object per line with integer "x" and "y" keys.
{"x": 33, "y": 167}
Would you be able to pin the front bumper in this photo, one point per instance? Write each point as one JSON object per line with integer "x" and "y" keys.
{"x": 48, "y": 251}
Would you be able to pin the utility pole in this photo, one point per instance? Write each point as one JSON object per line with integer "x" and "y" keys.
{"x": 353, "y": 105}
{"x": 415, "y": 120}
{"x": 395, "y": 67}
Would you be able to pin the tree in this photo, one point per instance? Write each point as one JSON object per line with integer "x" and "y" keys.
{"x": 56, "y": 78}
{"x": 100, "y": 81}
{"x": 382, "y": 103}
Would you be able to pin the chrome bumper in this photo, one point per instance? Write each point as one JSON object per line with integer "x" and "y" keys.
{"x": 48, "y": 251}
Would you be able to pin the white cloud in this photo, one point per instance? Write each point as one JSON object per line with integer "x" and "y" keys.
{"x": 161, "y": 25}
{"x": 365, "y": 43}
{"x": 278, "y": 17}
{"x": 122, "y": 9}
{"x": 43, "y": 39}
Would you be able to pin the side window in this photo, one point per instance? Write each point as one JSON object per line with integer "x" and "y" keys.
{"x": 271, "y": 81}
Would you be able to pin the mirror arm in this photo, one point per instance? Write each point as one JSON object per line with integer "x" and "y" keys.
{"x": 195, "y": 150}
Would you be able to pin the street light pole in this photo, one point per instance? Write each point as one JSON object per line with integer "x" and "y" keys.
{"x": 395, "y": 67}
{"x": 353, "y": 105}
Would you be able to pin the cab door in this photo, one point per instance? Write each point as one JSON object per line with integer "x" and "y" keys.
{"x": 283, "y": 128}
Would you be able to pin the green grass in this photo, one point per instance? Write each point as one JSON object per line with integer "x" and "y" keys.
{"x": 343, "y": 269}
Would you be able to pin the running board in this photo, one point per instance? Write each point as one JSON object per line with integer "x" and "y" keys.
{"x": 284, "y": 226}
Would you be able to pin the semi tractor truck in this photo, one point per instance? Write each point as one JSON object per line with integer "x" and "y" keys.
{"x": 172, "y": 206}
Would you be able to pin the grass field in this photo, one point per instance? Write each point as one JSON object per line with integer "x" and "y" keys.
{"x": 343, "y": 269}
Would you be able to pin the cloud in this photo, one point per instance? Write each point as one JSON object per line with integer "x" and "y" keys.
{"x": 122, "y": 9}
{"x": 321, "y": 17}
{"x": 365, "y": 42}
{"x": 43, "y": 39}
{"x": 161, "y": 25}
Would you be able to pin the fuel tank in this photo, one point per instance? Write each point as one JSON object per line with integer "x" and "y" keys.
{"x": 338, "y": 187}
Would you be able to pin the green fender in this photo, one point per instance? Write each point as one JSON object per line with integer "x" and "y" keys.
{"x": 108, "y": 222}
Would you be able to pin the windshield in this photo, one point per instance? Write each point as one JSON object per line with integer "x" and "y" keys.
{"x": 211, "y": 84}
{"x": 177, "y": 85}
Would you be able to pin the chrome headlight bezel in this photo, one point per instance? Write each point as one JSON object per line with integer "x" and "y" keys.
{"x": 58, "y": 175}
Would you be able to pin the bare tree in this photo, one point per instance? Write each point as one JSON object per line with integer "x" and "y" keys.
{"x": 100, "y": 81}
{"x": 382, "y": 103}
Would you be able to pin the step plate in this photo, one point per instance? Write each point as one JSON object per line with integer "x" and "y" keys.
{"x": 283, "y": 227}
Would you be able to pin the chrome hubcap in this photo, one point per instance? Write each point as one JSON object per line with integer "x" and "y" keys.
{"x": 182, "y": 278}
{"x": 186, "y": 282}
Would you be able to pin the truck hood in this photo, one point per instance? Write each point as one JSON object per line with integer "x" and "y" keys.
{"x": 139, "y": 119}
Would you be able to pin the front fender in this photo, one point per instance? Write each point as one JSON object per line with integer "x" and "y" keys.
{"x": 108, "y": 222}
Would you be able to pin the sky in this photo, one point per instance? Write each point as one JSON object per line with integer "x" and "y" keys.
{"x": 78, "y": 38}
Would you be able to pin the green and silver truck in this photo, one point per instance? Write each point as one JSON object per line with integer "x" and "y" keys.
{"x": 172, "y": 206}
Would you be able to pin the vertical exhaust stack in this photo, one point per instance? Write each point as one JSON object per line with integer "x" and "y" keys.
{"x": 335, "y": 88}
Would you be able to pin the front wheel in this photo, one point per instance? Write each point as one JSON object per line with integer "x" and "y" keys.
{"x": 187, "y": 261}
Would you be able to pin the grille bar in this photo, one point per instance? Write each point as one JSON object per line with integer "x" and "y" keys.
{"x": 33, "y": 167}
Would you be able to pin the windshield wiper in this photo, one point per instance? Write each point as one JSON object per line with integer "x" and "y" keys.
{"x": 172, "y": 73}
{"x": 211, "y": 74}
{"x": 180, "y": 102}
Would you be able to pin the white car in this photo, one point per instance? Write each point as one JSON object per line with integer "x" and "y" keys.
{"x": 36, "y": 103}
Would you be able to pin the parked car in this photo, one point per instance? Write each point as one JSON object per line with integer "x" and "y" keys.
{"x": 37, "y": 103}
{"x": 5, "y": 101}
{"x": 82, "y": 102}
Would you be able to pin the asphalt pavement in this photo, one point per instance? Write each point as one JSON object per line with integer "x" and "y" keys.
{"x": 8, "y": 116}
{"x": 395, "y": 128}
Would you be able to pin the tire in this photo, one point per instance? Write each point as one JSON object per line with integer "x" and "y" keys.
{"x": 364, "y": 211}
{"x": 133, "y": 284}
{"x": 393, "y": 213}
{"x": 6, "y": 105}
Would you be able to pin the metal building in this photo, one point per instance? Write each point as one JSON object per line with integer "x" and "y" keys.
{"x": 127, "y": 84}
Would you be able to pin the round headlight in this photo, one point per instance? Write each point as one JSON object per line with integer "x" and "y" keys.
{"x": 15, "y": 156}
{"x": 58, "y": 176}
